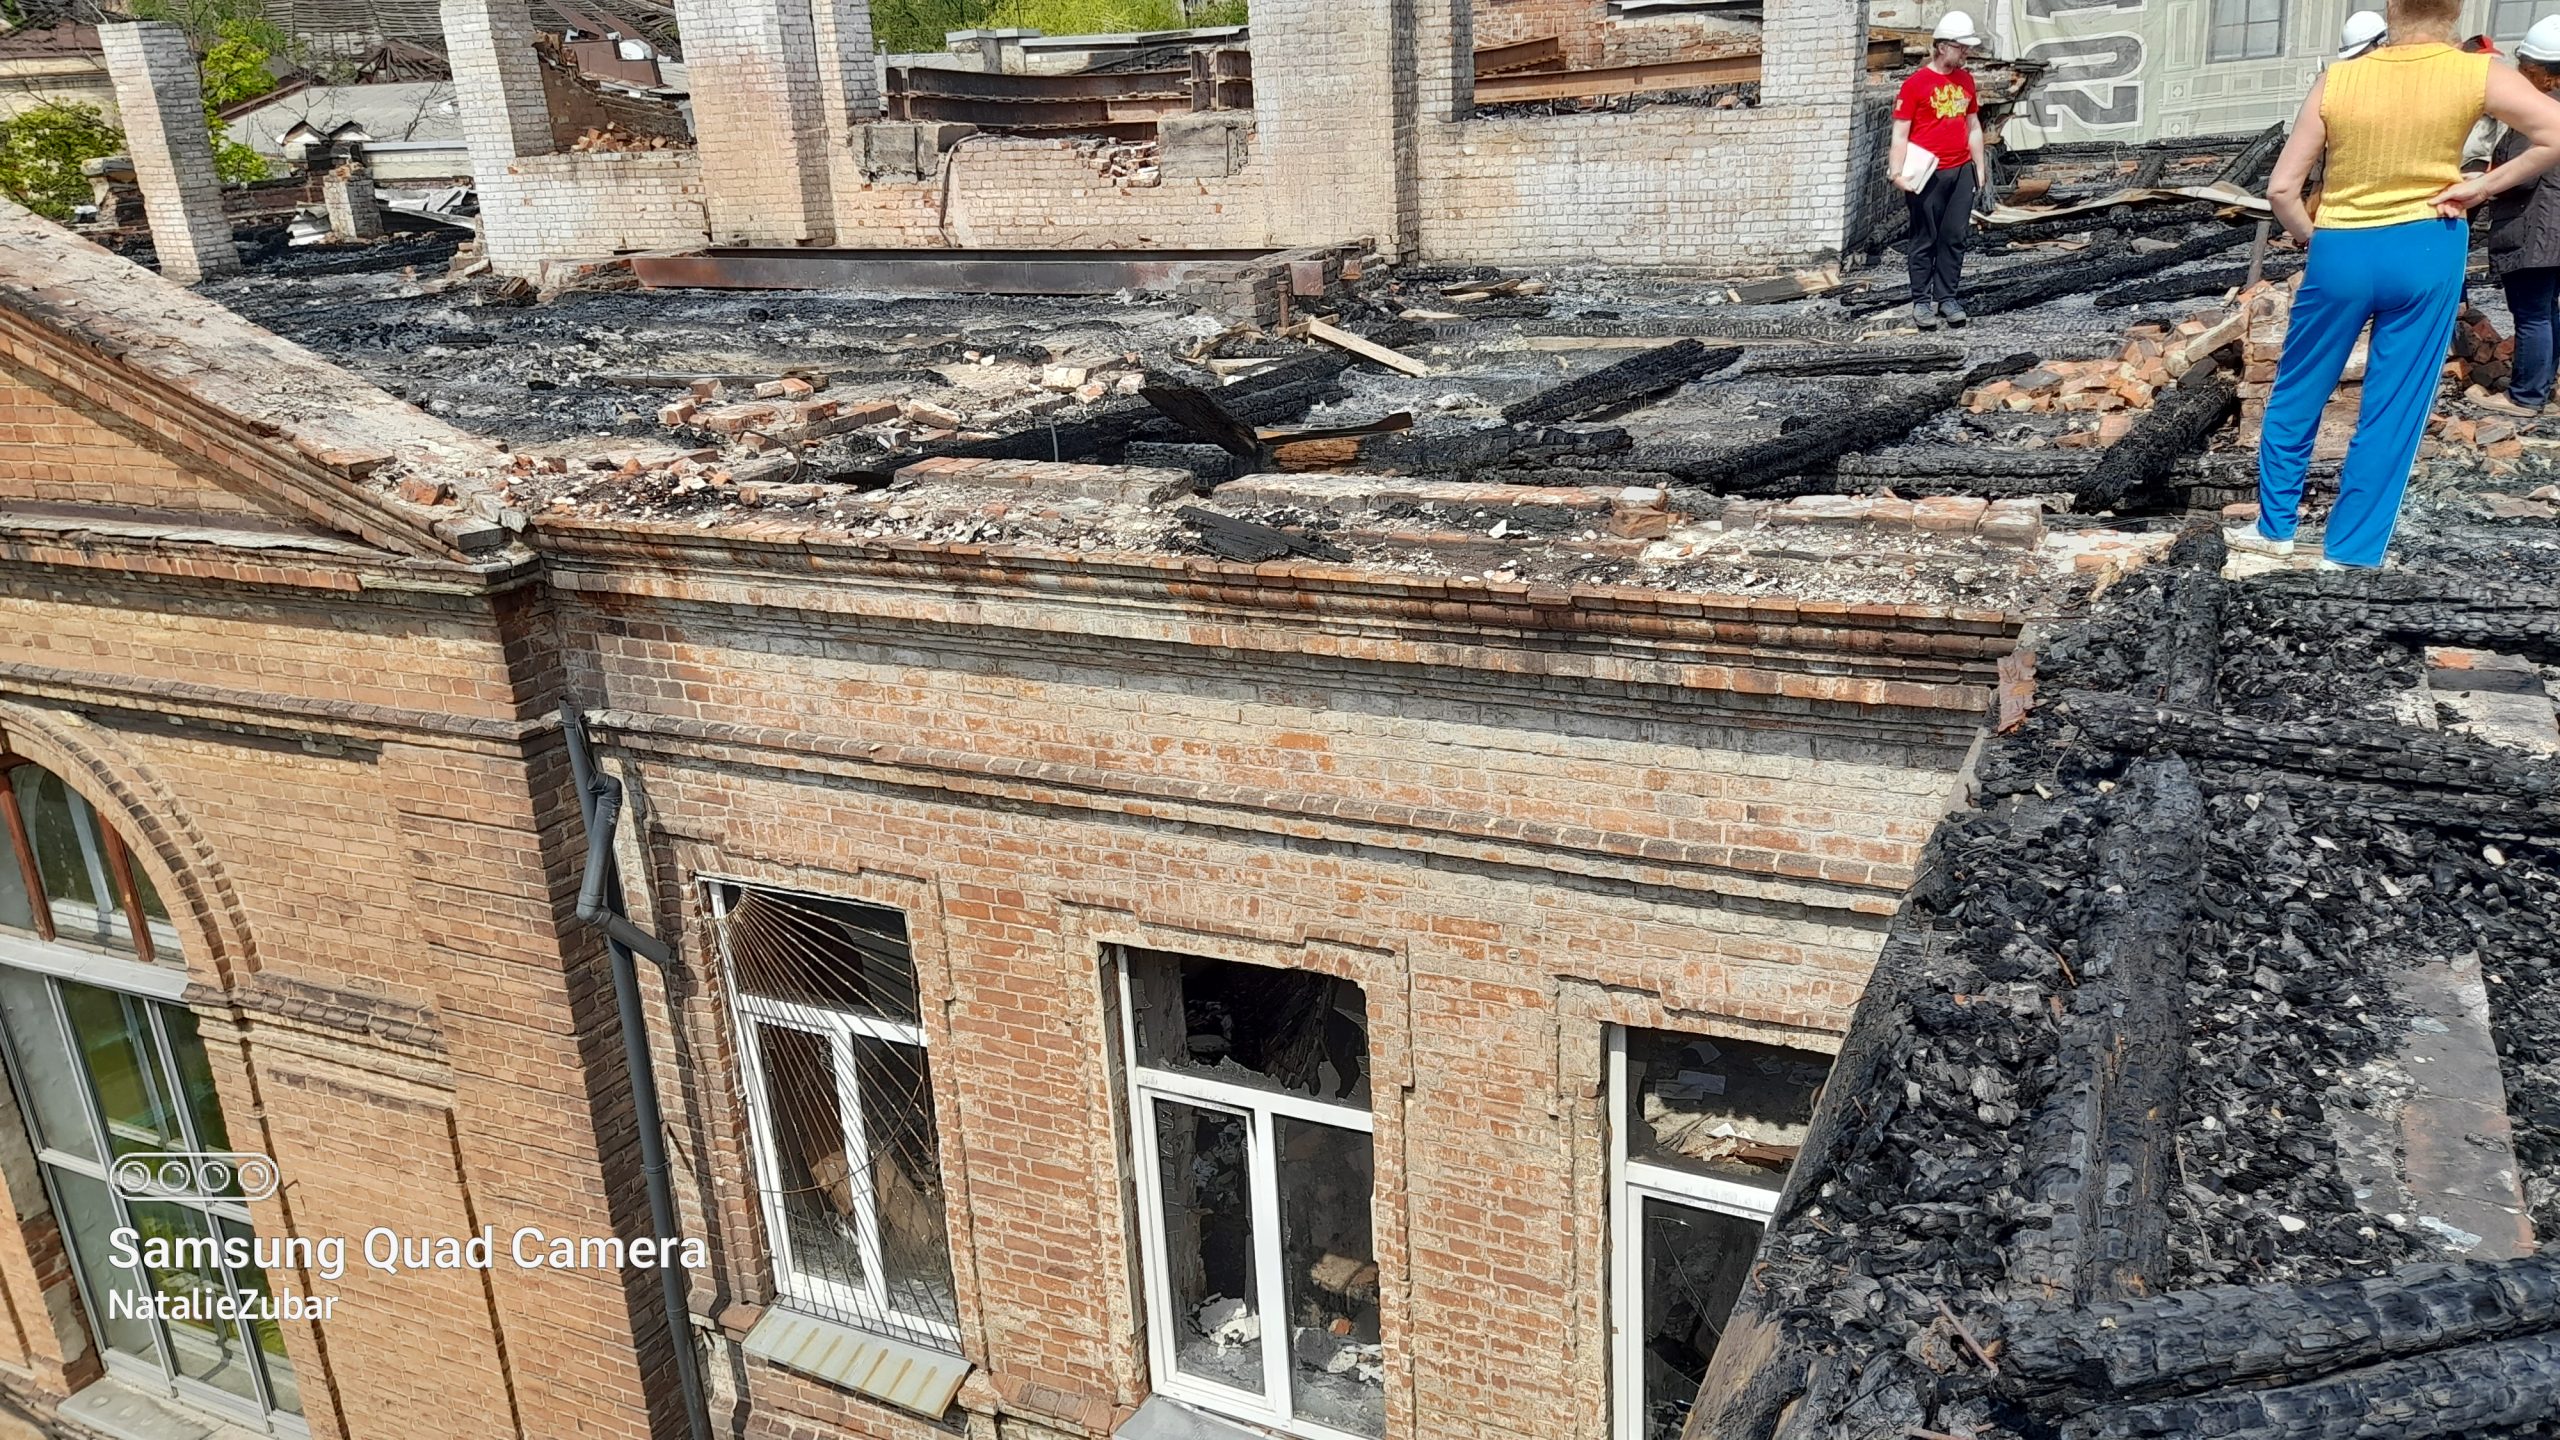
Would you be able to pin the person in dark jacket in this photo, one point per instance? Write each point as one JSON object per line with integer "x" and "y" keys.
{"x": 2524, "y": 242}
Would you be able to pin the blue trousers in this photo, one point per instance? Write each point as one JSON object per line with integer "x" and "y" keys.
{"x": 2407, "y": 280}
{"x": 2533, "y": 297}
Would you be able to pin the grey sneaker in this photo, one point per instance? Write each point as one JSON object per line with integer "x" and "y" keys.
{"x": 1924, "y": 313}
{"x": 1952, "y": 311}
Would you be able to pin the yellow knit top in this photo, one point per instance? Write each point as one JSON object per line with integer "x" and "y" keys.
{"x": 2396, "y": 119}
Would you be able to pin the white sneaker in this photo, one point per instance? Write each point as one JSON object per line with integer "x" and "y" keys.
{"x": 2246, "y": 537}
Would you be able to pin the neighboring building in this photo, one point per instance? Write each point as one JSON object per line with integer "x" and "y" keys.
{"x": 408, "y": 129}
{"x": 2139, "y": 70}
{"x": 54, "y": 64}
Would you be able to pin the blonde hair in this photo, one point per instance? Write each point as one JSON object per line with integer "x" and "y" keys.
{"x": 2428, "y": 14}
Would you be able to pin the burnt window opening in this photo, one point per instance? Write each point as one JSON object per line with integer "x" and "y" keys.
{"x": 1703, "y": 1132}
{"x": 1252, "y": 1025}
{"x": 1249, "y": 1089}
{"x": 839, "y": 1093}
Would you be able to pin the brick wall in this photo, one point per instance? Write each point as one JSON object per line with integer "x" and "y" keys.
{"x": 759, "y": 111}
{"x": 1593, "y": 40}
{"x": 58, "y": 454}
{"x": 161, "y": 98}
{"x": 576, "y": 205}
{"x": 1006, "y": 192}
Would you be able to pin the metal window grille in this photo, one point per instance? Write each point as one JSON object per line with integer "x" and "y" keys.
{"x": 840, "y": 1099}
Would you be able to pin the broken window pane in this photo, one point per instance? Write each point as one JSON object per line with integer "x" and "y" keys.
{"x": 1290, "y": 1030}
{"x": 1695, "y": 1261}
{"x": 814, "y": 951}
{"x": 1734, "y": 1109}
{"x": 814, "y": 1201}
{"x": 1337, "y": 1372}
{"x": 896, "y": 1087}
{"x": 1208, "y": 1242}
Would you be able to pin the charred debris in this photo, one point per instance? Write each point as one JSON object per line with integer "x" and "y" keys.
{"x": 2209, "y": 1084}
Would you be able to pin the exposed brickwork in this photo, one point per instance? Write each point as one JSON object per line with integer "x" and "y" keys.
{"x": 161, "y": 98}
{"x": 1001, "y": 192}
{"x": 758, "y": 110}
{"x": 55, "y": 453}
{"x": 354, "y": 213}
{"x": 1334, "y": 97}
{"x": 582, "y": 204}
{"x": 1592, "y": 39}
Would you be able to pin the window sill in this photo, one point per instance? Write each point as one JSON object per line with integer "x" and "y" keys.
{"x": 899, "y": 1372}
{"x": 125, "y": 1412}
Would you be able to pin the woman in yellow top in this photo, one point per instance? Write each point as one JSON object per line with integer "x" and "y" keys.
{"x": 2390, "y": 247}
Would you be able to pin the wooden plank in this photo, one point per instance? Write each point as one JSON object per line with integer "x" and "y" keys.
{"x": 1365, "y": 349}
{"x": 1619, "y": 80}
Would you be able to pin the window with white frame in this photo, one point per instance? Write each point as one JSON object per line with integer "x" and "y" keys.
{"x": 2245, "y": 30}
{"x": 108, "y": 1069}
{"x": 840, "y": 1102}
{"x": 1249, "y": 1116}
{"x": 1702, "y": 1134}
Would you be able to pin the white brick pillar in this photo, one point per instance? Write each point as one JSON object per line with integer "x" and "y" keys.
{"x": 761, "y": 116}
{"x": 848, "y": 74}
{"x": 1335, "y": 104}
{"x": 1813, "y": 68}
{"x": 497, "y": 82}
{"x": 161, "y": 97}
{"x": 354, "y": 213}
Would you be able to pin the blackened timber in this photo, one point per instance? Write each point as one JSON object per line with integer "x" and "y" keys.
{"x": 2507, "y": 788}
{"x": 2255, "y": 160}
{"x": 1638, "y": 377}
{"x": 1252, "y": 541}
{"x": 1505, "y": 447}
{"x": 2099, "y": 1151}
{"x": 2493, "y": 1388}
{"x": 2195, "y": 284}
{"x": 1995, "y": 295}
{"x": 1818, "y": 440}
{"x": 1855, "y": 359}
{"x": 2190, "y": 1341}
{"x": 1194, "y": 410}
{"x": 2136, "y": 469}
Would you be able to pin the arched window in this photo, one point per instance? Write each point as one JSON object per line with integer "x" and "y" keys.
{"x": 106, "y": 1067}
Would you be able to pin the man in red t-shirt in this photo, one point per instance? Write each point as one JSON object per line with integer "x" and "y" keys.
{"x": 1938, "y": 161}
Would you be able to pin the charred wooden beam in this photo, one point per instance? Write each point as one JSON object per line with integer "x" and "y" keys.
{"x": 2495, "y": 1388}
{"x": 1819, "y": 439}
{"x": 2195, "y": 284}
{"x": 2484, "y": 612}
{"x": 1854, "y": 359}
{"x": 1502, "y": 447}
{"x": 1197, "y": 411}
{"x": 2249, "y": 168}
{"x": 1251, "y": 541}
{"x": 2190, "y": 1341}
{"x": 2136, "y": 469}
{"x": 1638, "y": 377}
{"x": 2100, "y": 1150}
{"x": 1996, "y": 294}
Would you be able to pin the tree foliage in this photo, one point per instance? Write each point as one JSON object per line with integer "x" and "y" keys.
{"x": 915, "y": 26}
{"x": 41, "y": 150}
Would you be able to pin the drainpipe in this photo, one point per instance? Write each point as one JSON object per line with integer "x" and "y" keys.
{"x": 600, "y": 905}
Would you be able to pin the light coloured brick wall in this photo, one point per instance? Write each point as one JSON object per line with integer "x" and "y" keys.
{"x": 1018, "y": 192}
{"x": 580, "y": 204}
{"x": 1665, "y": 185}
{"x": 1335, "y": 91}
{"x": 161, "y": 98}
{"x": 354, "y": 212}
{"x": 759, "y": 113}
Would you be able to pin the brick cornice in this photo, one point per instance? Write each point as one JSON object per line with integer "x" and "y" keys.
{"x": 1717, "y": 875}
{"x": 1904, "y": 657}
{"x": 263, "y": 711}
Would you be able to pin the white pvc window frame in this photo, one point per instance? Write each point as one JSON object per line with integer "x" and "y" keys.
{"x": 1261, "y": 1110}
{"x": 1632, "y": 1182}
{"x": 824, "y": 1295}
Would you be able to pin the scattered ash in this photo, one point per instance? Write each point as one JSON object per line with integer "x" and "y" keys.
{"x": 2282, "y": 662}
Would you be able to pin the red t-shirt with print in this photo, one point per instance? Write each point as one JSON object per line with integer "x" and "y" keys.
{"x": 1940, "y": 107}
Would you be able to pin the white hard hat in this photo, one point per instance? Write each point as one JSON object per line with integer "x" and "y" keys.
{"x": 2542, "y": 42}
{"x": 2362, "y": 29}
{"x": 1957, "y": 27}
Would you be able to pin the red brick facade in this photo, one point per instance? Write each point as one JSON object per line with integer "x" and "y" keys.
{"x": 1513, "y": 815}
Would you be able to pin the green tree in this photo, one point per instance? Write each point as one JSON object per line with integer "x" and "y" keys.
{"x": 41, "y": 150}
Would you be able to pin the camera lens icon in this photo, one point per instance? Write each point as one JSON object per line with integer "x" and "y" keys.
{"x": 196, "y": 1175}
